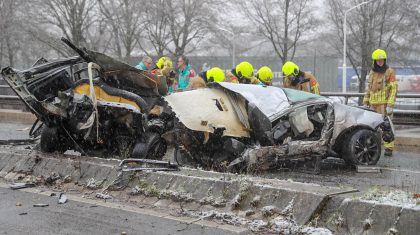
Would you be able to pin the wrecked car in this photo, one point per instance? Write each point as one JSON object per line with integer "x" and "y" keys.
{"x": 250, "y": 127}
{"x": 93, "y": 103}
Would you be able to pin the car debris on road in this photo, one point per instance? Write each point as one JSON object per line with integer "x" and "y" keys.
{"x": 62, "y": 198}
{"x": 15, "y": 186}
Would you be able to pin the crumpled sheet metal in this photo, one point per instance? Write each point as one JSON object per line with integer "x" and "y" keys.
{"x": 347, "y": 116}
{"x": 206, "y": 110}
{"x": 270, "y": 100}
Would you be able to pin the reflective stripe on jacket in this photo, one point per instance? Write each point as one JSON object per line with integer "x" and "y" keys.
{"x": 382, "y": 88}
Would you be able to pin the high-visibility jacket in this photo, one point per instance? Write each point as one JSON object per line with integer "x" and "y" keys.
{"x": 309, "y": 84}
{"x": 382, "y": 88}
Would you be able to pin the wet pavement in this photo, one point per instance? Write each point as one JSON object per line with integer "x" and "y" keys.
{"x": 19, "y": 216}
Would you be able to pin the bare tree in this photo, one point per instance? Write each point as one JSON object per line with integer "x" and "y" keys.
{"x": 188, "y": 22}
{"x": 156, "y": 27}
{"x": 125, "y": 21}
{"x": 72, "y": 18}
{"x": 9, "y": 45}
{"x": 284, "y": 23}
{"x": 379, "y": 24}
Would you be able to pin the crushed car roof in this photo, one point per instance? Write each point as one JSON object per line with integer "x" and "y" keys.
{"x": 270, "y": 100}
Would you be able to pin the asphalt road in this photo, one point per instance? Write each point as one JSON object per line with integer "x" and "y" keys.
{"x": 18, "y": 216}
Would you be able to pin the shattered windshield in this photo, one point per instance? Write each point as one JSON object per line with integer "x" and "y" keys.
{"x": 297, "y": 96}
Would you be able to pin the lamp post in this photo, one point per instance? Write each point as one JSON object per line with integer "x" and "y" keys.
{"x": 233, "y": 44}
{"x": 344, "y": 79}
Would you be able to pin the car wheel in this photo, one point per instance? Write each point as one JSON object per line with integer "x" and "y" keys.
{"x": 153, "y": 148}
{"x": 363, "y": 147}
{"x": 51, "y": 140}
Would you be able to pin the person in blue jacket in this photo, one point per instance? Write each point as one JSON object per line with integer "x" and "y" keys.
{"x": 145, "y": 64}
{"x": 186, "y": 73}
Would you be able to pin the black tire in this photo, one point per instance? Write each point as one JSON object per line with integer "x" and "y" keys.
{"x": 362, "y": 147}
{"x": 52, "y": 140}
{"x": 153, "y": 148}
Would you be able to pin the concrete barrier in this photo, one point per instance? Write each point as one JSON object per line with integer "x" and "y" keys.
{"x": 335, "y": 208}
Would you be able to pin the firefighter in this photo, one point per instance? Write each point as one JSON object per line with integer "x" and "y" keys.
{"x": 296, "y": 79}
{"x": 242, "y": 73}
{"x": 381, "y": 90}
{"x": 265, "y": 75}
{"x": 214, "y": 74}
{"x": 164, "y": 68}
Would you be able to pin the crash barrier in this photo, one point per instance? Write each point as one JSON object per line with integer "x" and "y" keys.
{"x": 401, "y": 117}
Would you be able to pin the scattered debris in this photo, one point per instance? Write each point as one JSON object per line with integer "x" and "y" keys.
{"x": 391, "y": 197}
{"x": 416, "y": 195}
{"x": 103, "y": 196}
{"x": 269, "y": 210}
{"x": 52, "y": 178}
{"x": 284, "y": 226}
{"x": 94, "y": 184}
{"x": 62, "y": 198}
{"x": 15, "y": 186}
{"x": 255, "y": 201}
{"x": 67, "y": 179}
{"x": 40, "y": 205}
{"x": 249, "y": 212}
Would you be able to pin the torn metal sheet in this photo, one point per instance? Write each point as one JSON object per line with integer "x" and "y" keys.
{"x": 207, "y": 110}
{"x": 270, "y": 100}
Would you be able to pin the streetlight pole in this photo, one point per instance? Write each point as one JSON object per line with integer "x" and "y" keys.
{"x": 233, "y": 44}
{"x": 344, "y": 78}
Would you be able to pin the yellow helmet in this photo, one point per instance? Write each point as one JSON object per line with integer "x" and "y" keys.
{"x": 215, "y": 74}
{"x": 379, "y": 54}
{"x": 164, "y": 62}
{"x": 245, "y": 70}
{"x": 265, "y": 74}
{"x": 290, "y": 68}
